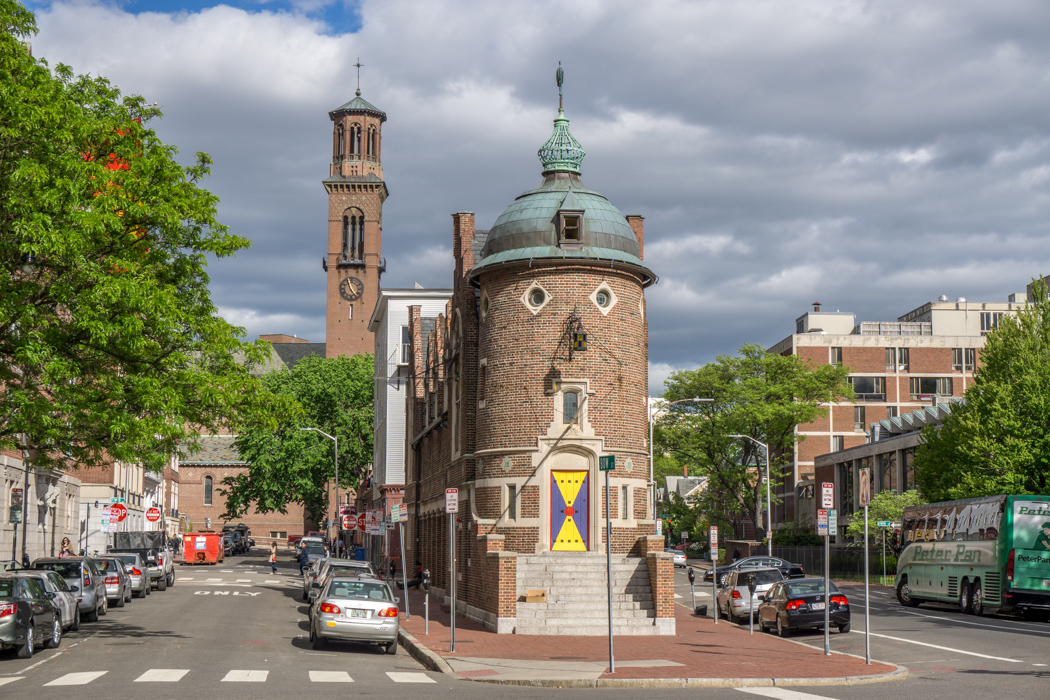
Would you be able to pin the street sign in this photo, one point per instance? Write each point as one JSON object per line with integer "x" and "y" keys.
{"x": 207, "y": 523}
{"x": 833, "y": 521}
{"x": 349, "y": 522}
{"x": 361, "y": 522}
{"x": 153, "y": 515}
{"x": 660, "y": 526}
{"x": 104, "y": 525}
{"x": 888, "y": 523}
{"x": 822, "y": 523}
{"x": 607, "y": 464}
{"x": 864, "y": 492}
{"x": 713, "y": 535}
{"x": 116, "y": 499}
{"x": 16, "y": 515}
{"x": 16, "y": 497}
{"x": 451, "y": 500}
{"x": 404, "y": 512}
{"x": 118, "y": 512}
{"x": 827, "y": 495}
{"x": 348, "y": 510}
{"x": 395, "y": 512}
{"x": 685, "y": 534}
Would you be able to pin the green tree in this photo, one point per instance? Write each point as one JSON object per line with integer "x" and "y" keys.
{"x": 885, "y": 505}
{"x": 998, "y": 440}
{"x": 290, "y": 465}
{"x": 757, "y": 394}
{"x": 110, "y": 346}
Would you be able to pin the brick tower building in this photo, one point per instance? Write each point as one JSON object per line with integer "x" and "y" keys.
{"x": 536, "y": 370}
{"x": 356, "y": 193}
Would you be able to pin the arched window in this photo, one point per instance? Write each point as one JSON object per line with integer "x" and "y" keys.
{"x": 346, "y": 237}
{"x": 207, "y": 490}
{"x": 361, "y": 237}
{"x": 371, "y": 141}
{"x": 342, "y": 143}
{"x": 355, "y": 139}
{"x": 570, "y": 406}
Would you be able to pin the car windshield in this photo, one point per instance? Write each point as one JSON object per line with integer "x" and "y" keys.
{"x": 103, "y": 565}
{"x": 7, "y": 588}
{"x": 312, "y": 548}
{"x": 127, "y": 558}
{"x": 762, "y": 577}
{"x": 362, "y": 590}
{"x": 65, "y": 569}
{"x": 807, "y": 587}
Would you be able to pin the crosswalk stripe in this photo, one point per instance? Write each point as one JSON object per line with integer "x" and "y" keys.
{"x": 5, "y": 681}
{"x": 246, "y": 676}
{"x": 783, "y": 694}
{"x": 82, "y": 678}
{"x": 244, "y": 580}
{"x": 162, "y": 675}
{"x": 271, "y": 580}
{"x": 330, "y": 677}
{"x": 402, "y": 677}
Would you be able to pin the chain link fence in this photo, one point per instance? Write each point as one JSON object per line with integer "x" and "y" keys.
{"x": 846, "y": 562}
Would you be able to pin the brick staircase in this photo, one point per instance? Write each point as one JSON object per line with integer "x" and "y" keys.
{"x": 577, "y": 597}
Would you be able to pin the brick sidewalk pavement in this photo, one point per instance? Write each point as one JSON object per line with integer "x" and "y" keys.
{"x": 700, "y": 649}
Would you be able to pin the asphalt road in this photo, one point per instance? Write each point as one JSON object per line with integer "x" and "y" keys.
{"x": 238, "y": 631}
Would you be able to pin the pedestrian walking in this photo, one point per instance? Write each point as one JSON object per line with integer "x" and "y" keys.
{"x": 393, "y": 570}
{"x": 302, "y": 559}
{"x": 273, "y": 557}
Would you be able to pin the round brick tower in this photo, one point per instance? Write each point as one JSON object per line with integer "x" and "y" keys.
{"x": 563, "y": 364}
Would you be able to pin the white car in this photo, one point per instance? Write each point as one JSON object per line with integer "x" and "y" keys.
{"x": 679, "y": 556}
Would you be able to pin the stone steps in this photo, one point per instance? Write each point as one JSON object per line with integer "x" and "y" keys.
{"x": 645, "y": 627}
{"x": 583, "y": 615}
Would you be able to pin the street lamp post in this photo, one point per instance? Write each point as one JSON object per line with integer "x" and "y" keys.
{"x": 652, "y": 413}
{"x": 769, "y": 501}
{"x": 335, "y": 455}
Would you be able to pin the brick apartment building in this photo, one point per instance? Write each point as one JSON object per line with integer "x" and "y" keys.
{"x": 924, "y": 358}
{"x": 535, "y": 370}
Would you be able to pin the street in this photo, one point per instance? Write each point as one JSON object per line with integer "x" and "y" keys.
{"x": 238, "y": 625}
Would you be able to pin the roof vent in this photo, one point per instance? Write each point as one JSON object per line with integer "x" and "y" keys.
{"x": 816, "y": 307}
{"x": 961, "y": 300}
{"x": 943, "y": 297}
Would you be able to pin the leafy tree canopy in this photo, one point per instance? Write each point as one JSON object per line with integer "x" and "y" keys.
{"x": 291, "y": 465}
{"x": 757, "y": 394}
{"x": 885, "y": 505}
{"x": 110, "y": 346}
{"x": 998, "y": 441}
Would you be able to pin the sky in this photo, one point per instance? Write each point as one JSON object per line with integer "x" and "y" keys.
{"x": 870, "y": 156}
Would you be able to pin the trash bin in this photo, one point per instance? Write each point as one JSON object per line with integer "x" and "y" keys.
{"x": 359, "y": 554}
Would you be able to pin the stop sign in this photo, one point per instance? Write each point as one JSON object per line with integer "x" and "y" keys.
{"x": 153, "y": 515}
{"x": 361, "y": 522}
{"x": 118, "y": 511}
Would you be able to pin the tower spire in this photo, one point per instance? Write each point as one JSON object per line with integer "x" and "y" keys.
{"x": 560, "y": 76}
{"x": 358, "y": 67}
{"x": 562, "y": 152}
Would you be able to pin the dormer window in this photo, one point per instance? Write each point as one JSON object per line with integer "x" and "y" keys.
{"x": 570, "y": 227}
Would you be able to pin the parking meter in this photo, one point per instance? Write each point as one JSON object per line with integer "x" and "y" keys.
{"x": 426, "y": 600}
{"x": 751, "y": 585}
{"x": 426, "y": 580}
{"x": 692, "y": 576}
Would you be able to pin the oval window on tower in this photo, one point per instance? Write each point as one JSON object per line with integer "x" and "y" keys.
{"x": 602, "y": 298}
{"x": 537, "y": 297}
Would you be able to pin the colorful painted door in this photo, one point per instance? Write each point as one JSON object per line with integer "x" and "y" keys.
{"x": 569, "y": 514}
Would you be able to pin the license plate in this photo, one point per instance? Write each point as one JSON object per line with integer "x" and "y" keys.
{"x": 358, "y": 613}
{"x": 816, "y": 606}
{"x": 1046, "y": 582}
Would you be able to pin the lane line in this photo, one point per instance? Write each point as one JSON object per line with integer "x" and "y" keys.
{"x": 246, "y": 677}
{"x": 44, "y": 661}
{"x": 330, "y": 677}
{"x": 782, "y": 693}
{"x": 162, "y": 675}
{"x": 975, "y": 624}
{"x": 5, "y": 681}
{"x": 403, "y": 677}
{"x": 935, "y": 646}
{"x": 82, "y": 678}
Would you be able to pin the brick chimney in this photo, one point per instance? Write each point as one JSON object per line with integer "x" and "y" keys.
{"x": 463, "y": 242}
{"x": 636, "y": 225}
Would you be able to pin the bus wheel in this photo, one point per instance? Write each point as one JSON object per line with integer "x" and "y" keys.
{"x": 977, "y": 600}
{"x": 964, "y": 598}
{"x": 904, "y": 594}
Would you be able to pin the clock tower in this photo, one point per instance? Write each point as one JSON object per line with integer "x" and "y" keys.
{"x": 356, "y": 193}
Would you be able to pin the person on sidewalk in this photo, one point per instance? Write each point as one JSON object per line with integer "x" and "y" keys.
{"x": 393, "y": 570}
{"x": 273, "y": 557}
{"x": 302, "y": 559}
{"x": 413, "y": 582}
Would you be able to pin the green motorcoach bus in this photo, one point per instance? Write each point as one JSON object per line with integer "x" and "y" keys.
{"x": 982, "y": 554}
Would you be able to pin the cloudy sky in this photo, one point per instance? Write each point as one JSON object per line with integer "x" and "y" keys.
{"x": 867, "y": 155}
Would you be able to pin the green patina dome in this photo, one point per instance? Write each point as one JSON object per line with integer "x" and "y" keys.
{"x": 528, "y": 228}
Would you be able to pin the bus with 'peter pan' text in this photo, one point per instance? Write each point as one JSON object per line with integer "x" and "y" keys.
{"x": 983, "y": 554}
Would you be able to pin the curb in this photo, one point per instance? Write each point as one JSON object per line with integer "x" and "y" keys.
{"x": 435, "y": 662}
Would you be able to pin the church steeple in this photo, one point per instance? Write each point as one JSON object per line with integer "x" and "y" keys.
{"x": 562, "y": 152}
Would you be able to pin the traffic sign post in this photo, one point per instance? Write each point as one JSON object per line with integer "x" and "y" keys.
{"x": 751, "y": 586}
{"x": 452, "y": 507}
{"x": 118, "y": 512}
{"x": 607, "y": 464}
{"x": 865, "y": 499}
{"x": 713, "y": 538}
{"x": 153, "y": 514}
{"x": 827, "y": 502}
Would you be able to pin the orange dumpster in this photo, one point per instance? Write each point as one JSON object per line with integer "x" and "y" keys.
{"x": 202, "y": 548}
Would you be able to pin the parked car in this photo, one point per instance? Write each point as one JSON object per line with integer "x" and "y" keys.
{"x": 734, "y": 599}
{"x": 84, "y": 580}
{"x": 27, "y": 616}
{"x": 10, "y": 565}
{"x": 679, "y": 556}
{"x": 227, "y": 545}
{"x": 137, "y": 572}
{"x": 116, "y": 578}
{"x": 787, "y": 568}
{"x": 355, "y": 609}
{"x": 313, "y": 550}
{"x": 153, "y": 546}
{"x": 799, "y": 604}
{"x": 324, "y": 569}
{"x": 61, "y": 597}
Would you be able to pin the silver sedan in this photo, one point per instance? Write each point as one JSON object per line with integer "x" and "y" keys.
{"x": 357, "y": 610}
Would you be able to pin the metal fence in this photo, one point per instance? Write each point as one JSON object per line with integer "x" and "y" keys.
{"x": 846, "y": 562}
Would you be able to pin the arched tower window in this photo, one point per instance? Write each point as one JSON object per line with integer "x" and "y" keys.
{"x": 372, "y": 141}
{"x": 355, "y": 139}
{"x": 341, "y": 153}
{"x": 207, "y": 490}
{"x": 346, "y": 237}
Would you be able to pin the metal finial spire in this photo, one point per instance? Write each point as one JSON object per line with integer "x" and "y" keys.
{"x": 358, "y": 67}
{"x": 560, "y": 75}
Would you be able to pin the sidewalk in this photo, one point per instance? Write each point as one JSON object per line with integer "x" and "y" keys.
{"x": 701, "y": 654}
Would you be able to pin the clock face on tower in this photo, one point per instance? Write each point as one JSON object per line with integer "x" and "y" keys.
{"x": 351, "y": 288}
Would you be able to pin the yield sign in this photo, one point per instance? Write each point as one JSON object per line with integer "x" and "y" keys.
{"x": 118, "y": 511}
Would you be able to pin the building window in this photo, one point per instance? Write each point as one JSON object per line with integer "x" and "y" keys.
{"x": 836, "y": 353}
{"x": 924, "y": 388}
{"x": 904, "y": 359}
{"x": 891, "y": 412}
{"x": 869, "y": 388}
{"x": 964, "y": 359}
{"x": 406, "y": 345}
{"x": 483, "y": 375}
{"x": 846, "y": 484}
{"x": 908, "y": 467}
{"x": 571, "y": 228}
{"x": 990, "y": 321}
{"x": 838, "y": 443}
{"x": 858, "y": 418}
{"x": 570, "y": 406}
{"x": 342, "y": 143}
{"x": 625, "y": 496}
{"x": 278, "y": 535}
{"x": 512, "y": 501}
{"x": 207, "y": 490}
{"x": 888, "y": 472}
{"x": 897, "y": 359}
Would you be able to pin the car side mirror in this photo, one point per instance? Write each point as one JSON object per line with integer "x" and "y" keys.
{"x": 396, "y": 599}
{"x": 74, "y": 589}
{"x": 314, "y": 595}
{"x": 50, "y": 595}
